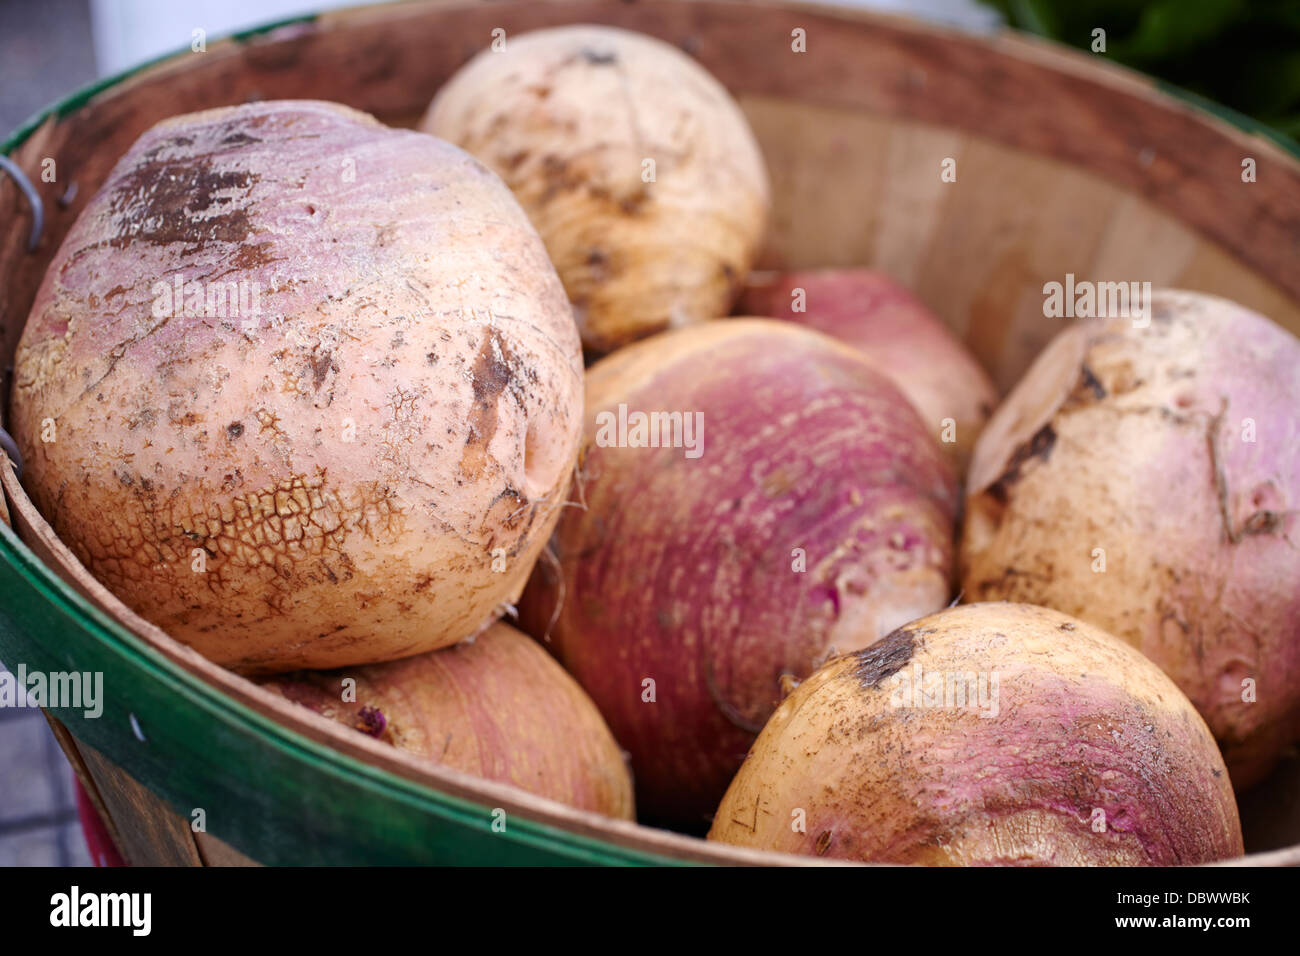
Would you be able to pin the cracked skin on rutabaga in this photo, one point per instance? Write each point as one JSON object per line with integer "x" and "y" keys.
{"x": 331, "y": 480}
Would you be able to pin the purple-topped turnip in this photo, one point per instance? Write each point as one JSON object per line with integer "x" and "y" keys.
{"x": 1145, "y": 476}
{"x": 791, "y": 506}
{"x": 987, "y": 734}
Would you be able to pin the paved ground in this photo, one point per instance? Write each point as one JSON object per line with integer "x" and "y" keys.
{"x": 38, "y": 815}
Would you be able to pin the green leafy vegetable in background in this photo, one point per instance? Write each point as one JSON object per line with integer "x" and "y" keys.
{"x": 1242, "y": 53}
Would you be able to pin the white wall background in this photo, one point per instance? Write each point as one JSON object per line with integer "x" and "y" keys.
{"x": 127, "y": 32}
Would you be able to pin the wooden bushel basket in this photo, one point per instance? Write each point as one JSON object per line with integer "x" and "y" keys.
{"x": 1065, "y": 165}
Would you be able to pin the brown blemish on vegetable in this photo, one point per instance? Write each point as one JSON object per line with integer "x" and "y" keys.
{"x": 1010, "y": 581}
{"x": 599, "y": 57}
{"x": 598, "y": 263}
{"x": 634, "y": 203}
{"x": 1220, "y": 476}
{"x": 1039, "y": 446}
{"x": 268, "y": 420}
{"x": 1088, "y": 389}
{"x": 492, "y": 375}
{"x": 182, "y": 200}
{"x": 885, "y": 657}
{"x": 1264, "y": 521}
{"x": 823, "y": 842}
{"x": 237, "y": 138}
{"x": 148, "y": 417}
{"x": 321, "y": 365}
{"x": 234, "y": 430}
{"x": 557, "y": 178}
{"x": 250, "y": 255}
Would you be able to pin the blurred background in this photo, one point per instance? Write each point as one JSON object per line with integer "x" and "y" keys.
{"x": 51, "y": 47}
{"x": 1244, "y": 54}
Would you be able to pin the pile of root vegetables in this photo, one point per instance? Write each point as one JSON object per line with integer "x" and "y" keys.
{"x": 779, "y": 562}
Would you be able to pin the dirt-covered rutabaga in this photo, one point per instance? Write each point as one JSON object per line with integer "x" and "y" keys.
{"x": 302, "y": 390}
{"x": 1147, "y": 480}
{"x": 498, "y": 707}
{"x": 800, "y": 509}
{"x": 897, "y": 334}
{"x": 637, "y": 167}
{"x": 989, "y": 734}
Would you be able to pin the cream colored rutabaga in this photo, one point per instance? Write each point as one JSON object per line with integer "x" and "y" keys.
{"x": 364, "y": 462}
{"x": 987, "y": 734}
{"x": 1144, "y": 476}
{"x": 636, "y": 166}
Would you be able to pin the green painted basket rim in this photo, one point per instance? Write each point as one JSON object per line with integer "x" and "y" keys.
{"x": 137, "y": 654}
